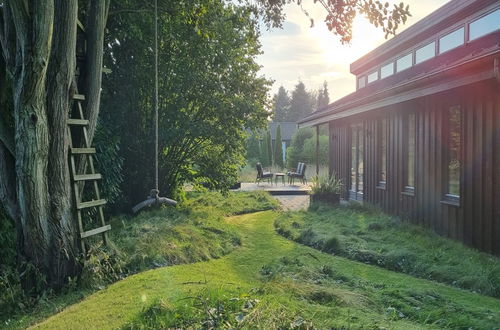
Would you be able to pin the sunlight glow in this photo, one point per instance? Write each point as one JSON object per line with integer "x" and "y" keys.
{"x": 315, "y": 54}
{"x": 366, "y": 37}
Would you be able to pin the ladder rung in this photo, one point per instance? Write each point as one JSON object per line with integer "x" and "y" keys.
{"x": 83, "y": 151}
{"x": 78, "y": 122}
{"x": 86, "y": 205}
{"x": 87, "y": 177}
{"x": 79, "y": 97}
{"x": 80, "y": 25}
{"x": 95, "y": 231}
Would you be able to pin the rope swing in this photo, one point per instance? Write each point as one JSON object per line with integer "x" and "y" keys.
{"x": 154, "y": 198}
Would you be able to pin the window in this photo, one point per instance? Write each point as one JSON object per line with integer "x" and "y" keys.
{"x": 451, "y": 40}
{"x": 454, "y": 137}
{"x": 373, "y": 77}
{"x": 361, "y": 82}
{"x": 409, "y": 149}
{"x": 382, "y": 151}
{"x": 426, "y": 52}
{"x": 404, "y": 62}
{"x": 387, "y": 70}
{"x": 357, "y": 163}
{"x": 484, "y": 25}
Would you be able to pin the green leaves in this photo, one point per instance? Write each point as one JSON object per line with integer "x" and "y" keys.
{"x": 340, "y": 15}
{"x": 210, "y": 90}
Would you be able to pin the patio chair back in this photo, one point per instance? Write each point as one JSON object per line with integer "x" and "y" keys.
{"x": 302, "y": 171}
{"x": 260, "y": 172}
{"x": 299, "y": 168}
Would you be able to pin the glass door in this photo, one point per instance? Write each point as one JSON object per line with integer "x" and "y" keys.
{"x": 357, "y": 164}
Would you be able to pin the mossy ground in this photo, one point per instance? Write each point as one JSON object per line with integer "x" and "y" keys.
{"x": 272, "y": 282}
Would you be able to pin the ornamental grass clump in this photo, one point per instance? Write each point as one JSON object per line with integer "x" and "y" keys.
{"x": 327, "y": 184}
{"x": 326, "y": 189}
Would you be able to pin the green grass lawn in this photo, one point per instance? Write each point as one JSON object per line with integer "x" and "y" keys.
{"x": 194, "y": 231}
{"x": 272, "y": 282}
{"x": 366, "y": 234}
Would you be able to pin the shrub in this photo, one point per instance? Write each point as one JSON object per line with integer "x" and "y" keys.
{"x": 307, "y": 236}
{"x": 332, "y": 245}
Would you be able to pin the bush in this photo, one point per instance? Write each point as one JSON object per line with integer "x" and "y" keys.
{"x": 110, "y": 165}
{"x": 7, "y": 240}
{"x": 303, "y": 148}
{"x": 332, "y": 245}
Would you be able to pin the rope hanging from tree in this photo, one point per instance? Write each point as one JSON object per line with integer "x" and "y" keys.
{"x": 154, "y": 195}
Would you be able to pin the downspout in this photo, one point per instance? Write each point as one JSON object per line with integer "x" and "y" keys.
{"x": 496, "y": 69}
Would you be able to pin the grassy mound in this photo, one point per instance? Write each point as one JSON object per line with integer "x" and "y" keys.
{"x": 270, "y": 282}
{"x": 365, "y": 234}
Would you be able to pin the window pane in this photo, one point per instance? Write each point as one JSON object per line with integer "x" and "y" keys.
{"x": 454, "y": 145}
{"x": 387, "y": 70}
{"x": 382, "y": 150}
{"x": 484, "y": 25}
{"x": 360, "y": 158}
{"x": 357, "y": 166}
{"x": 451, "y": 40}
{"x": 373, "y": 77}
{"x": 404, "y": 62}
{"x": 354, "y": 156}
{"x": 361, "y": 82}
{"x": 426, "y": 52}
{"x": 410, "y": 182}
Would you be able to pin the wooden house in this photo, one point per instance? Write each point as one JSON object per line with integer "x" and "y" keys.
{"x": 420, "y": 136}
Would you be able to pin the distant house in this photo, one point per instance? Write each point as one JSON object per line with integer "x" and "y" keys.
{"x": 288, "y": 129}
{"x": 420, "y": 137}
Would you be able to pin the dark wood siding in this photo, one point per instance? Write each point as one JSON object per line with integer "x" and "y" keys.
{"x": 476, "y": 220}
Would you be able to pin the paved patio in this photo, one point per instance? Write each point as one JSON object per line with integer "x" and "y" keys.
{"x": 294, "y": 202}
{"x": 276, "y": 189}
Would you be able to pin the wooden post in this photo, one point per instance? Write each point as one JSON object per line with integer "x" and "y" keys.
{"x": 317, "y": 150}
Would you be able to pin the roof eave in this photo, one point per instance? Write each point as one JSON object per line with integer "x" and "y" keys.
{"x": 404, "y": 92}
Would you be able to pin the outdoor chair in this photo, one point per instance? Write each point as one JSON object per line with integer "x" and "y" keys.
{"x": 261, "y": 175}
{"x": 299, "y": 173}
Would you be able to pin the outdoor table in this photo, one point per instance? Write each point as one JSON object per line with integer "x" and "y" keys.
{"x": 276, "y": 175}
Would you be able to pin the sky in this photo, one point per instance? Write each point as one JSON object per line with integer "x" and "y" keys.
{"x": 314, "y": 55}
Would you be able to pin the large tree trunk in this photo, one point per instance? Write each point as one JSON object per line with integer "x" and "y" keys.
{"x": 63, "y": 243}
{"x": 38, "y": 42}
{"x": 33, "y": 36}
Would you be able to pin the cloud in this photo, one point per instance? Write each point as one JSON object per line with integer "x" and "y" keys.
{"x": 314, "y": 55}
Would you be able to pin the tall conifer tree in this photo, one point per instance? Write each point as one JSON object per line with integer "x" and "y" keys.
{"x": 278, "y": 149}
{"x": 281, "y": 105}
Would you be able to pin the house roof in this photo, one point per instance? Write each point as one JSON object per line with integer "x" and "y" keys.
{"x": 466, "y": 64}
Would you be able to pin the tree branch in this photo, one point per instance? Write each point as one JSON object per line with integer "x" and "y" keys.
{"x": 128, "y": 11}
{"x": 8, "y": 39}
{"x": 96, "y": 24}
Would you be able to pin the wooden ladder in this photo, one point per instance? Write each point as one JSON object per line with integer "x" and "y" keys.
{"x": 80, "y": 179}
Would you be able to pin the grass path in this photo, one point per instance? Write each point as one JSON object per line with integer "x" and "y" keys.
{"x": 240, "y": 272}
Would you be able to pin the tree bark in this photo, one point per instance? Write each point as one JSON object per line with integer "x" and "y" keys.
{"x": 96, "y": 24}
{"x": 92, "y": 78}
{"x": 38, "y": 41}
{"x": 34, "y": 35}
{"x": 63, "y": 243}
